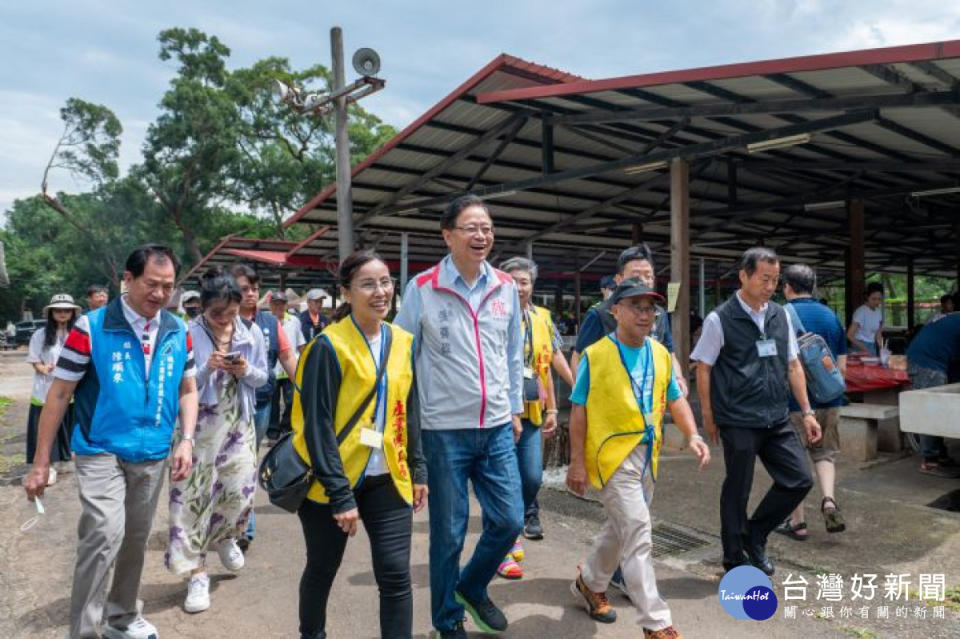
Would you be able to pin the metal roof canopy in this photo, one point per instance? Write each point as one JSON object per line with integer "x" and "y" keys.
{"x": 269, "y": 257}
{"x": 562, "y": 159}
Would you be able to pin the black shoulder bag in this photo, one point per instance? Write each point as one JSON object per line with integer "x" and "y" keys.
{"x": 283, "y": 473}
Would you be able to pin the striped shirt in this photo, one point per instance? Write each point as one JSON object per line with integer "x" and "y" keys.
{"x": 74, "y": 361}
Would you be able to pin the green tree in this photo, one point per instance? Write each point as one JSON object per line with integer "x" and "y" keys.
{"x": 88, "y": 148}
{"x": 194, "y": 139}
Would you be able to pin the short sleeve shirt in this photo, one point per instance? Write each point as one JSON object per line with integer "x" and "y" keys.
{"x": 708, "y": 347}
{"x": 639, "y": 361}
{"x": 74, "y": 361}
{"x": 868, "y": 321}
{"x": 38, "y": 354}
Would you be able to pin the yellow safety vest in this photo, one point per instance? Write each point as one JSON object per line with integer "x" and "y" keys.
{"x": 542, "y": 333}
{"x": 358, "y": 376}
{"x": 615, "y": 424}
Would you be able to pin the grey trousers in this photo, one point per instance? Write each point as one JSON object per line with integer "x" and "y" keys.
{"x": 118, "y": 500}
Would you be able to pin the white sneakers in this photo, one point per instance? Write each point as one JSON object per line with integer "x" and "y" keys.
{"x": 198, "y": 588}
{"x": 139, "y": 628}
{"x": 230, "y": 555}
{"x": 198, "y": 593}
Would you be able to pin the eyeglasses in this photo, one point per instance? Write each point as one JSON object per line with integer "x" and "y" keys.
{"x": 487, "y": 231}
{"x": 640, "y": 310}
{"x": 371, "y": 286}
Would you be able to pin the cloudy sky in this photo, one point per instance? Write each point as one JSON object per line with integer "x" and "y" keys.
{"x": 105, "y": 51}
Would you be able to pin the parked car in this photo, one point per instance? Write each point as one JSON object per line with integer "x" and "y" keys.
{"x": 25, "y": 331}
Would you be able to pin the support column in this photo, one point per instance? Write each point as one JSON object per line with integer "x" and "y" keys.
{"x": 283, "y": 281}
{"x": 702, "y": 289}
{"x": 636, "y": 235}
{"x": 404, "y": 260}
{"x": 576, "y": 290}
{"x": 956, "y": 234}
{"x": 856, "y": 269}
{"x": 344, "y": 194}
{"x": 680, "y": 256}
{"x": 911, "y": 296}
{"x": 530, "y": 251}
{"x": 546, "y": 149}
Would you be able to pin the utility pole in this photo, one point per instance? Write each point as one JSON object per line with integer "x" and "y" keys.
{"x": 344, "y": 194}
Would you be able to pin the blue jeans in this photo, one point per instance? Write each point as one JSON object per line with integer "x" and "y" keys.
{"x": 487, "y": 457}
{"x": 261, "y": 420}
{"x": 932, "y": 447}
{"x": 530, "y": 461}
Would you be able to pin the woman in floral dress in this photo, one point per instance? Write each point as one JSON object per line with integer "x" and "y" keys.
{"x": 210, "y": 508}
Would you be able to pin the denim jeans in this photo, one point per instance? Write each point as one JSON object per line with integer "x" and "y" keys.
{"x": 487, "y": 457}
{"x": 530, "y": 461}
{"x": 932, "y": 447}
{"x": 261, "y": 420}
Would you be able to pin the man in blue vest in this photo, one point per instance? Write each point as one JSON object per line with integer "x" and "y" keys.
{"x": 278, "y": 350}
{"x": 129, "y": 367}
{"x": 747, "y": 369}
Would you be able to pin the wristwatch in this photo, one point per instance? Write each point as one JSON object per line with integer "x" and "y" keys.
{"x": 188, "y": 438}
{"x": 809, "y": 413}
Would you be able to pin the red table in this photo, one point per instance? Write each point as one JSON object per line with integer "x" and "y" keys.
{"x": 864, "y": 379}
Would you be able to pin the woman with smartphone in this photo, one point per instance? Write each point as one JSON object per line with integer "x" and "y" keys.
{"x": 356, "y": 423}
{"x": 209, "y": 509}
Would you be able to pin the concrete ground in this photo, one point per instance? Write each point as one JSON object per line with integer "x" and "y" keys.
{"x": 890, "y": 531}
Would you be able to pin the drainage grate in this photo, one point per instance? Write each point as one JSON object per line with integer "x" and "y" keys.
{"x": 670, "y": 540}
{"x": 950, "y": 501}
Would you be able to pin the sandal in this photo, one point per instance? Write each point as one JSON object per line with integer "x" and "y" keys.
{"x": 791, "y": 531}
{"x": 832, "y": 518}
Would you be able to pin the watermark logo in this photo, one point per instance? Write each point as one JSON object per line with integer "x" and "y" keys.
{"x": 746, "y": 593}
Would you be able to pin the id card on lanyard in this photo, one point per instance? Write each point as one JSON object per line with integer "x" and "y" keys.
{"x": 371, "y": 435}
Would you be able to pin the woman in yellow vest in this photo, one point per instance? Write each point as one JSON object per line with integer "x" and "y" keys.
{"x": 539, "y": 417}
{"x": 358, "y": 428}
{"x": 624, "y": 384}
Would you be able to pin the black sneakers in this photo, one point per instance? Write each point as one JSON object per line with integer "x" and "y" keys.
{"x": 532, "y": 528}
{"x": 485, "y": 614}
{"x": 457, "y": 632}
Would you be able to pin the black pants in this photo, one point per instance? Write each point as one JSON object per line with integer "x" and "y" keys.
{"x": 280, "y": 419}
{"x": 782, "y": 454}
{"x": 388, "y": 521}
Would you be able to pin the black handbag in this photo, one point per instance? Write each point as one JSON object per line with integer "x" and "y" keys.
{"x": 285, "y": 476}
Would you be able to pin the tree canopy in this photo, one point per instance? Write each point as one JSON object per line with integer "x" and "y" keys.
{"x": 222, "y": 156}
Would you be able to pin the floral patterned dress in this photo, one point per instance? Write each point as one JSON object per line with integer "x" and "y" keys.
{"x": 214, "y": 502}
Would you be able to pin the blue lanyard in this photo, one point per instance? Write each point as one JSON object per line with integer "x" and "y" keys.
{"x": 637, "y": 389}
{"x": 382, "y": 386}
{"x": 648, "y": 433}
{"x": 527, "y": 339}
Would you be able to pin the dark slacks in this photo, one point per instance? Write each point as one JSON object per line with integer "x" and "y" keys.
{"x": 388, "y": 521}
{"x": 781, "y": 452}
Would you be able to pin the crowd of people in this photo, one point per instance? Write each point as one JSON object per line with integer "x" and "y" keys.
{"x": 391, "y": 417}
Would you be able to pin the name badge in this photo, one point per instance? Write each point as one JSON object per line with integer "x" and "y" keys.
{"x": 527, "y": 372}
{"x": 766, "y": 348}
{"x": 370, "y": 437}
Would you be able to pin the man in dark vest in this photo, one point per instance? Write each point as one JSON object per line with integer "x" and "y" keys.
{"x": 312, "y": 321}
{"x": 747, "y": 369}
{"x": 278, "y": 350}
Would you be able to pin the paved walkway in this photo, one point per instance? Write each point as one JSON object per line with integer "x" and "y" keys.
{"x": 886, "y": 535}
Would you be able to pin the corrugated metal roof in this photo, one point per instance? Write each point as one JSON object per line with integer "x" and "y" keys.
{"x": 883, "y": 123}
